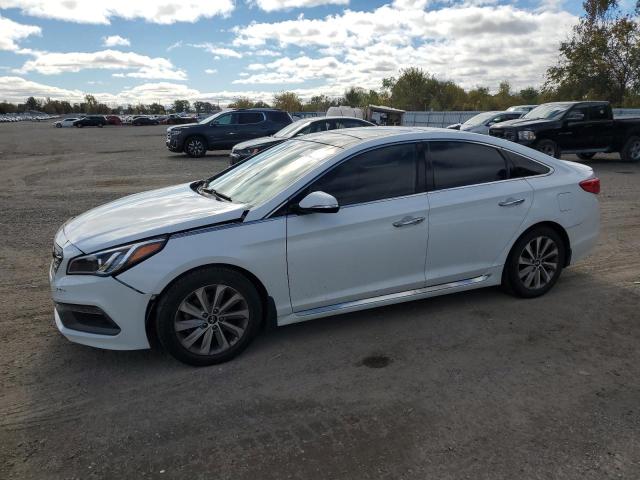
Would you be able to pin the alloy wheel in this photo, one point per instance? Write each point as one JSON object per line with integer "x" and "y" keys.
{"x": 211, "y": 319}
{"x": 538, "y": 262}
{"x": 195, "y": 147}
{"x": 634, "y": 151}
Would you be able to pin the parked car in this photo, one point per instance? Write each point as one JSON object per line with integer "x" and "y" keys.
{"x": 583, "y": 128}
{"x": 521, "y": 108}
{"x": 91, "y": 121}
{"x": 67, "y": 122}
{"x": 175, "y": 119}
{"x": 137, "y": 121}
{"x": 223, "y": 130}
{"x": 480, "y": 123}
{"x": 319, "y": 225}
{"x": 301, "y": 127}
{"x": 113, "y": 120}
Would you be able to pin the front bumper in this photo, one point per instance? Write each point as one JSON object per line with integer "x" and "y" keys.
{"x": 235, "y": 157}
{"x": 125, "y": 307}
{"x": 174, "y": 143}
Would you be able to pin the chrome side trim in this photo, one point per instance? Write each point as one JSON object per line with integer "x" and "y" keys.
{"x": 393, "y": 296}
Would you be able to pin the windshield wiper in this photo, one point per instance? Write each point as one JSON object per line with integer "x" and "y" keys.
{"x": 215, "y": 193}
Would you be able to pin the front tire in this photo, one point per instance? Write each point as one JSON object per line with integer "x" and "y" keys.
{"x": 534, "y": 263}
{"x": 209, "y": 316}
{"x": 548, "y": 147}
{"x": 195, "y": 147}
{"x": 631, "y": 150}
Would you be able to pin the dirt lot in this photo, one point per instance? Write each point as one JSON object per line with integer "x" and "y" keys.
{"x": 477, "y": 385}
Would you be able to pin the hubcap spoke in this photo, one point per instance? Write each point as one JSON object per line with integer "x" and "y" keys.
{"x": 221, "y": 339}
{"x": 205, "y": 348}
{"x": 217, "y": 297}
{"x": 201, "y": 295}
{"x": 235, "y": 329}
{"x": 192, "y": 337}
{"x": 187, "y": 324}
{"x": 190, "y": 310}
{"x": 229, "y": 303}
{"x": 234, "y": 315}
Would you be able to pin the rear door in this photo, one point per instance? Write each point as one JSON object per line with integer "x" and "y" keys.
{"x": 474, "y": 209}
{"x": 600, "y": 126}
{"x": 375, "y": 244}
{"x": 575, "y": 132}
{"x": 251, "y": 125}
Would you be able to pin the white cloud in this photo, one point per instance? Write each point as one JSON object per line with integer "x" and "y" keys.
{"x": 273, "y": 5}
{"x": 140, "y": 66}
{"x": 101, "y": 11}
{"x": 11, "y": 31}
{"x": 265, "y": 52}
{"x": 472, "y": 45}
{"x": 210, "y": 71}
{"x": 115, "y": 40}
{"x": 215, "y": 50}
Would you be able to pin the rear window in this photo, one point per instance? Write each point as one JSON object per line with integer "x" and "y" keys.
{"x": 250, "y": 117}
{"x": 280, "y": 117}
{"x": 456, "y": 164}
{"x": 523, "y": 167}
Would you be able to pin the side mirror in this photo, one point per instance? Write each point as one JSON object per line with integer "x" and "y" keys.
{"x": 318, "y": 202}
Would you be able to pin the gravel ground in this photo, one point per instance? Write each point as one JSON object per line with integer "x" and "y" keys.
{"x": 476, "y": 385}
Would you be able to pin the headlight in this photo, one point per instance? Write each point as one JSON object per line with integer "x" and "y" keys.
{"x": 526, "y": 135}
{"x": 115, "y": 260}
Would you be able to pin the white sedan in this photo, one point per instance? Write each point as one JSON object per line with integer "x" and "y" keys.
{"x": 320, "y": 225}
{"x": 67, "y": 122}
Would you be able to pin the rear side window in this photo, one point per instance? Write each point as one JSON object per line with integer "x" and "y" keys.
{"x": 598, "y": 112}
{"x": 523, "y": 167}
{"x": 386, "y": 172}
{"x": 280, "y": 117}
{"x": 250, "y": 117}
{"x": 314, "y": 127}
{"x": 456, "y": 164}
{"x": 349, "y": 123}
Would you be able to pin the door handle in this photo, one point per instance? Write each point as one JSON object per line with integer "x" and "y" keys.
{"x": 510, "y": 202}
{"x": 408, "y": 221}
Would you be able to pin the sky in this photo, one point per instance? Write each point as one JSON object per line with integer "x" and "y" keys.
{"x": 143, "y": 51}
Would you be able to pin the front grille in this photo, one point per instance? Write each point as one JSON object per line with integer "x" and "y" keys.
{"x": 86, "y": 318}
{"x": 506, "y": 133}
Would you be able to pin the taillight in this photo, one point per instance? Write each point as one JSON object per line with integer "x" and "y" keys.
{"x": 591, "y": 185}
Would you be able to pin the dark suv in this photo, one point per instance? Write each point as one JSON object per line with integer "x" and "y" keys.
{"x": 224, "y": 129}
{"x": 91, "y": 121}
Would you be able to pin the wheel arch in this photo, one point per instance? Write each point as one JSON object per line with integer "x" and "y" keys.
{"x": 268, "y": 304}
{"x": 559, "y": 229}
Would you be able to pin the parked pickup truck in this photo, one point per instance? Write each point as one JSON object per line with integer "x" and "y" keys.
{"x": 583, "y": 128}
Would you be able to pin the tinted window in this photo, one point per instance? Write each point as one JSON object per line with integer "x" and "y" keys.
{"x": 314, "y": 127}
{"x": 523, "y": 167}
{"x": 280, "y": 117}
{"x": 456, "y": 164}
{"x": 350, "y": 123}
{"x": 224, "y": 119}
{"x": 598, "y": 112}
{"x": 386, "y": 172}
{"x": 250, "y": 117}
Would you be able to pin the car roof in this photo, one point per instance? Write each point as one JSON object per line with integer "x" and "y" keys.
{"x": 349, "y": 137}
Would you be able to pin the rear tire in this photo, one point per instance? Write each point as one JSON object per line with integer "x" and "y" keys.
{"x": 209, "y": 316}
{"x": 534, "y": 263}
{"x": 631, "y": 150}
{"x": 586, "y": 156}
{"x": 548, "y": 147}
{"x": 195, "y": 147}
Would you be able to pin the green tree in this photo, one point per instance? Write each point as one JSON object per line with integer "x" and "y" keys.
{"x": 287, "y": 101}
{"x": 602, "y": 57}
{"x": 180, "y": 106}
{"x": 31, "y": 104}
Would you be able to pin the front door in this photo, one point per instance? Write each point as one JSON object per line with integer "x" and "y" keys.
{"x": 375, "y": 245}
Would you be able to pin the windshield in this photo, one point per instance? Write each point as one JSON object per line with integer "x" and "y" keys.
{"x": 480, "y": 118}
{"x": 291, "y": 129}
{"x": 267, "y": 174}
{"x": 548, "y": 110}
{"x": 208, "y": 119}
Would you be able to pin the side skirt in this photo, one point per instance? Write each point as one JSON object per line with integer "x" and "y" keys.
{"x": 390, "y": 299}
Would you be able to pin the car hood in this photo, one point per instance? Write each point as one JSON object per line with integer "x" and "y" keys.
{"x": 522, "y": 122}
{"x": 181, "y": 126}
{"x": 258, "y": 142}
{"x": 148, "y": 214}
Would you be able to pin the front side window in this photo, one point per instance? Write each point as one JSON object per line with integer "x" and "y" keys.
{"x": 226, "y": 119}
{"x": 456, "y": 164}
{"x": 379, "y": 174}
